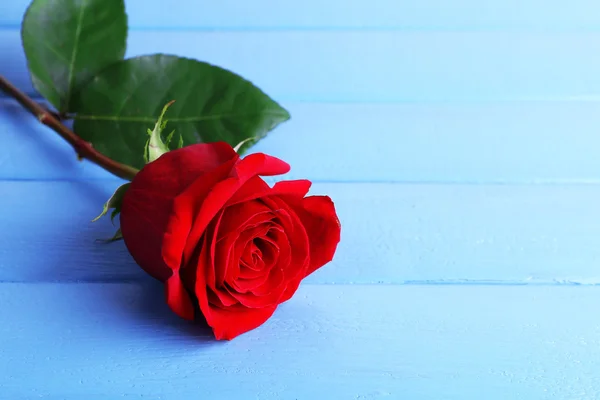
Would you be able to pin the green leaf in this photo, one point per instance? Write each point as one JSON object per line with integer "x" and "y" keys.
{"x": 212, "y": 104}
{"x": 114, "y": 202}
{"x": 67, "y": 42}
{"x": 155, "y": 146}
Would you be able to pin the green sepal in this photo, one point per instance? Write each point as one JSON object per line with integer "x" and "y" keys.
{"x": 116, "y": 237}
{"x": 238, "y": 146}
{"x": 155, "y": 146}
{"x": 114, "y": 202}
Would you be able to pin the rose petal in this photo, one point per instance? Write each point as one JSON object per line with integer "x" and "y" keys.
{"x": 270, "y": 288}
{"x": 274, "y": 284}
{"x": 147, "y": 204}
{"x": 323, "y": 227}
{"x": 297, "y": 188}
{"x": 221, "y": 298}
{"x": 143, "y": 234}
{"x": 260, "y": 164}
{"x": 229, "y": 322}
{"x": 256, "y": 188}
{"x": 279, "y": 239}
{"x": 267, "y": 294}
{"x": 188, "y": 207}
{"x": 230, "y": 250}
{"x": 244, "y": 285}
{"x": 174, "y": 171}
{"x": 183, "y": 212}
{"x": 251, "y": 257}
{"x": 212, "y": 232}
{"x": 177, "y": 298}
{"x": 294, "y": 232}
{"x": 247, "y": 284}
{"x": 269, "y": 250}
{"x": 299, "y": 242}
{"x": 237, "y": 217}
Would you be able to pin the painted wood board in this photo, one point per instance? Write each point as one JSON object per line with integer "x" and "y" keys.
{"x": 515, "y": 142}
{"x": 379, "y": 66}
{"x": 98, "y": 341}
{"x": 342, "y": 14}
{"x": 391, "y": 233}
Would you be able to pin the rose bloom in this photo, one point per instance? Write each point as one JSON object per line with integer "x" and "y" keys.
{"x": 203, "y": 221}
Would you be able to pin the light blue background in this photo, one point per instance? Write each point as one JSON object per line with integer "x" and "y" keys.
{"x": 460, "y": 141}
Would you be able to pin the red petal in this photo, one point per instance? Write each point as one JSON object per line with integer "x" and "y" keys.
{"x": 184, "y": 210}
{"x": 221, "y": 298}
{"x": 143, "y": 222}
{"x": 204, "y": 211}
{"x": 256, "y": 188}
{"x": 298, "y": 187}
{"x": 176, "y": 170}
{"x": 294, "y": 232}
{"x": 229, "y": 322}
{"x": 299, "y": 242}
{"x": 269, "y": 250}
{"x": 323, "y": 227}
{"x": 239, "y": 216}
{"x": 177, "y": 297}
{"x": 230, "y": 250}
{"x": 260, "y": 164}
{"x": 253, "y": 189}
{"x": 213, "y": 230}
{"x": 274, "y": 284}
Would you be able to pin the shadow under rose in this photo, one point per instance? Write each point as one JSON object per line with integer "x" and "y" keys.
{"x": 148, "y": 307}
{"x": 56, "y": 241}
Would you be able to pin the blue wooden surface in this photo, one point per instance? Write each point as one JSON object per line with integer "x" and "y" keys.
{"x": 108, "y": 341}
{"x": 460, "y": 142}
{"x": 344, "y": 14}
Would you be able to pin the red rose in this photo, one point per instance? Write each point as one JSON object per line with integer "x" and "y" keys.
{"x": 203, "y": 221}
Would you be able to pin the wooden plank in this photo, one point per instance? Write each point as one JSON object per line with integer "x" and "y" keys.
{"x": 100, "y": 341}
{"x": 382, "y": 66}
{"x": 525, "y": 142}
{"x": 391, "y": 233}
{"x": 356, "y": 14}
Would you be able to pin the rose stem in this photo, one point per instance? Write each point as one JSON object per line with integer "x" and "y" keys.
{"x": 82, "y": 148}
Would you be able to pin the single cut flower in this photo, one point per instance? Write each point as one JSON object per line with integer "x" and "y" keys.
{"x": 203, "y": 221}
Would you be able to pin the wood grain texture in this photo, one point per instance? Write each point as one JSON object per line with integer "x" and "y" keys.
{"x": 391, "y": 233}
{"x": 357, "y": 14}
{"x": 379, "y": 66}
{"x": 523, "y": 142}
{"x": 99, "y": 341}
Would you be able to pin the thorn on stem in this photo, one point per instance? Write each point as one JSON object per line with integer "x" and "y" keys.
{"x": 45, "y": 118}
{"x": 82, "y": 146}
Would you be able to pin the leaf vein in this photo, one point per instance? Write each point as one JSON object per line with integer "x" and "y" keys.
{"x": 51, "y": 48}
{"x": 74, "y": 55}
